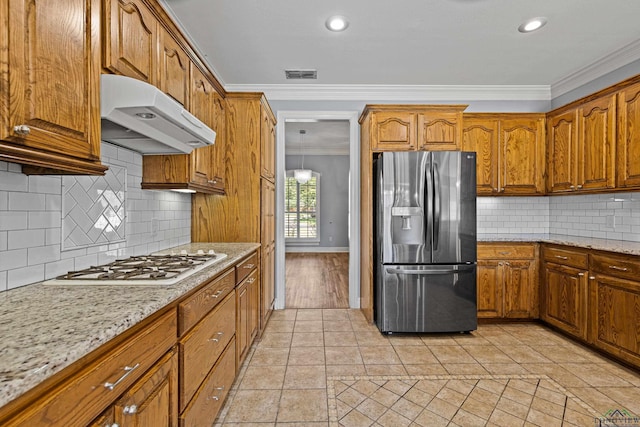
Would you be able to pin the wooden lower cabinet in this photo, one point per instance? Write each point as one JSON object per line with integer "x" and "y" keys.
{"x": 564, "y": 290}
{"x": 208, "y": 401}
{"x": 153, "y": 400}
{"x": 614, "y": 301}
{"x": 507, "y": 285}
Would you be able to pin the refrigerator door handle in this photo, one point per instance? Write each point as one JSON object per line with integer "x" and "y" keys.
{"x": 436, "y": 206}
{"x": 428, "y": 201}
{"x": 460, "y": 269}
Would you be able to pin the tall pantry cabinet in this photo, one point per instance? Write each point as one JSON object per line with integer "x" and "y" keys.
{"x": 246, "y": 212}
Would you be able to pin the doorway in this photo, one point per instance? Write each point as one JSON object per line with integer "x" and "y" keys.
{"x": 317, "y": 250}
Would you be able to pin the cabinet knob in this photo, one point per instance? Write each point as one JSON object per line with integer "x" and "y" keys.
{"x": 212, "y": 181}
{"x": 580, "y": 274}
{"x": 579, "y": 186}
{"x": 592, "y": 277}
{"x": 572, "y": 187}
{"x": 22, "y": 129}
{"x": 130, "y": 409}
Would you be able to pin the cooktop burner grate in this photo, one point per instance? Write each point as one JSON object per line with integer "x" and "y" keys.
{"x": 142, "y": 269}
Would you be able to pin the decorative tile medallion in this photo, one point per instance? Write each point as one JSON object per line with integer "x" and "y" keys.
{"x": 454, "y": 400}
{"x": 93, "y": 209}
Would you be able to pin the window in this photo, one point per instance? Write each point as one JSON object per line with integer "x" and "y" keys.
{"x": 301, "y": 209}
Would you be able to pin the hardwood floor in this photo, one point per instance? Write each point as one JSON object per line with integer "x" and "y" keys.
{"x": 317, "y": 280}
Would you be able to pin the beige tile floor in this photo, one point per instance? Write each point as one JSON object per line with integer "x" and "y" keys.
{"x": 329, "y": 367}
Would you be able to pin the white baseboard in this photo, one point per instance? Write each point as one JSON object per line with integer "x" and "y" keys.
{"x": 316, "y": 249}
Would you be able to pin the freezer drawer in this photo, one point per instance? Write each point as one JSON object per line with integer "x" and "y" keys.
{"x": 426, "y": 298}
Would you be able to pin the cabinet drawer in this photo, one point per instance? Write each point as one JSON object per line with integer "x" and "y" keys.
{"x": 199, "y": 304}
{"x": 490, "y": 251}
{"x": 103, "y": 381}
{"x": 202, "y": 346}
{"x": 566, "y": 257}
{"x": 207, "y": 403}
{"x": 626, "y": 267}
{"x": 245, "y": 267}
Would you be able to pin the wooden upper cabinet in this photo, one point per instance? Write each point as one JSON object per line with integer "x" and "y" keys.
{"x": 596, "y": 143}
{"x": 202, "y": 105}
{"x": 562, "y": 152}
{"x": 393, "y": 131}
{"x": 130, "y": 42}
{"x": 440, "y": 130}
{"x": 628, "y": 149}
{"x": 49, "y": 85}
{"x": 268, "y": 144}
{"x": 482, "y": 136}
{"x": 174, "y": 66}
{"x": 510, "y": 152}
{"x": 220, "y": 150}
{"x": 522, "y": 155}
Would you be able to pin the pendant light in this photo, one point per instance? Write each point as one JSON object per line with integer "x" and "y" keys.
{"x": 302, "y": 175}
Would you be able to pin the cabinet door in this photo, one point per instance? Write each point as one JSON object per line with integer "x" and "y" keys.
{"x": 481, "y": 136}
{"x": 253, "y": 287}
{"x": 50, "y": 85}
{"x": 242, "y": 323}
{"x": 268, "y": 284}
{"x": 173, "y": 69}
{"x": 490, "y": 288}
{"x": 440, "y": 130}
{"x": 562, "y": 152}
{"x": 268, "y": 206}
{"x": 522, "y": 156}
{"x": 202, "y": 106}
{"x": 628, "y": 150}
{"x": 130, "y": 42}
{"x": 107, "y": 419}
{"x": 596, "y": 143}
{"x": 153, "y": 400}
{"x": 520, "y": 289}
{"x": 267, "y": 145}
{"x": 393, "y": 131}
{"x": 220, "y": 147}
{"x": 565, "y": 298}
{"x": 614, "y": 316}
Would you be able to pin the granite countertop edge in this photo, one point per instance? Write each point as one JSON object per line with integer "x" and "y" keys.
{"x": 619, "y": 246}
{"x": 44, "y": 329}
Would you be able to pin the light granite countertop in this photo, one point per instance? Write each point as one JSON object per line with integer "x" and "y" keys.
{"x": 620, "y": 246}
{"x": 45, "y": 328}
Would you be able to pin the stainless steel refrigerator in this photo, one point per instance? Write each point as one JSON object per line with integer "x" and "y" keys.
{"x": 425, "y": 241}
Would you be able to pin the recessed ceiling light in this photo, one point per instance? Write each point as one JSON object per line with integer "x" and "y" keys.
{"x": 337, "y": 23}
{"x": 532, "y": 25}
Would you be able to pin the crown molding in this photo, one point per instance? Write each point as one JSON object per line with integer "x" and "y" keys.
{"x": 412, "y": 93}
{"x": 599, "y": 68}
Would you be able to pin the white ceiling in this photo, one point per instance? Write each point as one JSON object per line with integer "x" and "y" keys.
{"x": 407, "y": 42}
{"x": 408, "y": 48}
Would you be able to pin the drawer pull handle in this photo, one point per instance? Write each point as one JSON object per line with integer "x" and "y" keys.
{"x": 505, "y": 253}
{"x": 130, "y": 409}
{"x": 217, "y": 338}
{"x": 253, "y": 279}
{"x": 562, "y": 257}
{"x": 218, "y": 293}
{"x": 592, "y": 277}
{"x": 580, "y": 274}
{"x": 249, "y": 266}
{"x": 216, "y": 397}
{"x": 128, "y": 370}
{"x": 615, "y": 267}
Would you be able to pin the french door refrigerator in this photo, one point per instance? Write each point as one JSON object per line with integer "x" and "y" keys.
{"x": 425, "y": 241}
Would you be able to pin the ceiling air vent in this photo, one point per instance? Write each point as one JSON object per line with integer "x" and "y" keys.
{"x": 301, "y": 74}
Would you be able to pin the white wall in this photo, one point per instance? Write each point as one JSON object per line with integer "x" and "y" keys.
{"x": 31, "y": 222}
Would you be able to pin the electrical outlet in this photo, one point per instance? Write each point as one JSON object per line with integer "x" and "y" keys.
{"x": 611, "y": 221}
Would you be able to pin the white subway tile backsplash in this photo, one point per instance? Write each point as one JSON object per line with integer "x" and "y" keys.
{"x": 13, "y": 220}
{"x": 13, "y": 259}
{"x": 21, "y": 239}
{"x": 23, "y": 276}
{"x": 31, "y": 215}
{"x": 44, "y": 184}
{"x": 26, "y": 201}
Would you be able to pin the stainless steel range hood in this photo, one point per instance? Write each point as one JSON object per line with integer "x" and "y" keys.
{"x": 138, "y": 116}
